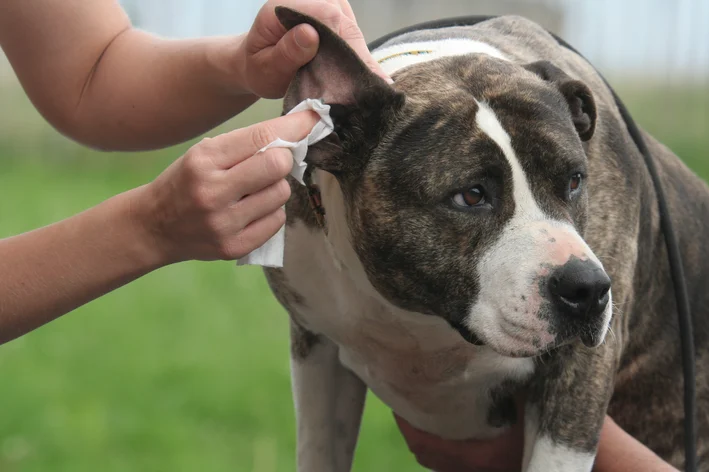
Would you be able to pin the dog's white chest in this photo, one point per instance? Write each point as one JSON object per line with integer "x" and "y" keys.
{"x": 416, "y": 364}
{"x": 444, "y": 391}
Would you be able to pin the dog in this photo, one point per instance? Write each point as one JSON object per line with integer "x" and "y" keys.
{"x": 482, "y": 227}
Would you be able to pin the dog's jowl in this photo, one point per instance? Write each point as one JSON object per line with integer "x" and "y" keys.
{"x": 489, "y": 229}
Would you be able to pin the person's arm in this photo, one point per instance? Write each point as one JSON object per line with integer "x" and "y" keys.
{"x": 617, "y": 451}
{"x": 218, "y": 201}
{"x": 620, "y": 452}
{"x": 108, "y": 85}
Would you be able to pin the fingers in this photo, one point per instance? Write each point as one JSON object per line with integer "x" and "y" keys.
{"x": 350, "y": 32}
{"x": 299, "y": 46}
{"x": 295, "y": 49}
{"x": 339, "y": 17}
{"x": 347, "y": 9}
{"x": 248, "y": 224}
{"x": 430, "y": 451}
{"x": 503, "y": 452}
{"x": 255, "y": 235}
{"x": 231, "y": 148}
{"x": 326, "y": 12}
{"x": 258, "y": 172}
{"x": 260, "y": 204}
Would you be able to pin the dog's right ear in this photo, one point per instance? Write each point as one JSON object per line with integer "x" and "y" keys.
{"x": 577, "y": 94}
{"x": 361, "y": 102}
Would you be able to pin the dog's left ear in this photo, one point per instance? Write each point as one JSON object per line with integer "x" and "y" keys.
{"x": 577, "y": 94}
{"x": 361, "y": 102}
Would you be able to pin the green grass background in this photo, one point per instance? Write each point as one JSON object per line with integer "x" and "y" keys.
{"x": 187, "y": 368}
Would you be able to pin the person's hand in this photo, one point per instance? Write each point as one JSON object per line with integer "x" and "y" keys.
{"x": 270, "y": 56}
{"x": 617, "y": 451}
{"x": 221, "y": 200}
{"x": 502, "y": 454}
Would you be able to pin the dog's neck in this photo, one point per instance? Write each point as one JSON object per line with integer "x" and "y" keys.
{"x": 337, "y": 236}
{"x": 338, "y": 239}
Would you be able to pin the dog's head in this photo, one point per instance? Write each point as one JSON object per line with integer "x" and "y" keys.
{"x": 464, "y": 191}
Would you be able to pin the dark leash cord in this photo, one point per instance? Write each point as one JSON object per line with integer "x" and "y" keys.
{"x": 673, "y": 252}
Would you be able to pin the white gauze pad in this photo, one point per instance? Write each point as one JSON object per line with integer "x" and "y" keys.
{"x": 271, "y": 253}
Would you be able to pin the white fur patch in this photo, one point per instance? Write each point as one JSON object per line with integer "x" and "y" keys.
{"x": 394, "y": 58}
{"x": 525, "y": 206}
{"x": 450, "y": 406}
{"x": 329, "y": 400}
{"x": 548, "y": 456}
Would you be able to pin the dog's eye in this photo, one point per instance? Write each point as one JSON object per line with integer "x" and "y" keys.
{"x": 575, "y": 183}
{"x": 472, "y": 197}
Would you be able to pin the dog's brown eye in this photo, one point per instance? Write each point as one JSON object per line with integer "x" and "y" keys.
{"x": 575, "y": 182}
{"x": 474, "y": 196}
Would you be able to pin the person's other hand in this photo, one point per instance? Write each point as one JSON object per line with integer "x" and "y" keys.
{"x": 222, "y": 200}
{"x": 270, "y": 56}
{"x": 501, "y": 454}
{"x": 617, "y": 451}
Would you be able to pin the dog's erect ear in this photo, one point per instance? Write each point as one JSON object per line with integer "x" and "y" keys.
{"x": 361, "y": 102}
{"x": 577, "y": 94}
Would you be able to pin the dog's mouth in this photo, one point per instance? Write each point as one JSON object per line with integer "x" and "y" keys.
{"x": 509, "y": 351}
{"x": 590, "y": 336}
{"x": 510, "y": 347}
{"x": 536, "y": 344}
{"x": 466, "y": 333}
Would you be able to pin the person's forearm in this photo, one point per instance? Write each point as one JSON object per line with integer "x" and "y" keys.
{"x": 51, "y": 271}
{"x": 107, "y": 85}
{"x": 620, "y": 452}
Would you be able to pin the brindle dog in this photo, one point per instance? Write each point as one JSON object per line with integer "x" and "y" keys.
{"x": 476, "y": 213}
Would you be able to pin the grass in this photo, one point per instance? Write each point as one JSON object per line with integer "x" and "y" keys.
{"x": 187, "y": 368}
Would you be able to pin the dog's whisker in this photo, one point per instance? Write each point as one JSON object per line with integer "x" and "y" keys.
{"x": 612, "y": 333}
{"x": 617, "y": 309}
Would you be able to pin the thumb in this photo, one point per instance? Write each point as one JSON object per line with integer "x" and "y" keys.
{"x": 295, "y": 49}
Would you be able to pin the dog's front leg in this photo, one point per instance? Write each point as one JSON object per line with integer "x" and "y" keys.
{"x": 566, "y": 408}
{"x": 329, "y": 400}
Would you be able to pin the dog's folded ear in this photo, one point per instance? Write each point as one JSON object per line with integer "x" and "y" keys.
{"x": 360, "y": 100}
{"x": 577, "y": 94}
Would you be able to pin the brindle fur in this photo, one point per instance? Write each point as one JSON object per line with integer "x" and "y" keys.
{"x": 636, "y": 373}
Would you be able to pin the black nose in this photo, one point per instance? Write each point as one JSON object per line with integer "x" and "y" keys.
{"x": 580, "y": 288}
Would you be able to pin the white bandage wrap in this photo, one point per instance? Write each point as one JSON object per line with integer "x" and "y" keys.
{"x": 271, "y": 253}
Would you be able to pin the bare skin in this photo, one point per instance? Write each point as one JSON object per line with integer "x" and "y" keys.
{"x": 218, "y": 201}
{"x": 617, "y": 451}
{"x": 107, "y": 85}
{"x": 110, "y": 86}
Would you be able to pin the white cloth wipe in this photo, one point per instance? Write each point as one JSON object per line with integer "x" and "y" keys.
{"x": 271, "y": 253}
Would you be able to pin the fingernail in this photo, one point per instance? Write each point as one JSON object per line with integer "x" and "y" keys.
{"x": 389, "y": 80}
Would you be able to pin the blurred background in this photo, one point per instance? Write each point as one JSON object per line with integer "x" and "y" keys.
{"x": 187, "y": 368}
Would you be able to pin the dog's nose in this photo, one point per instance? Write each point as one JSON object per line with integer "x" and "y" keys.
{"x": 580, "y": 288}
